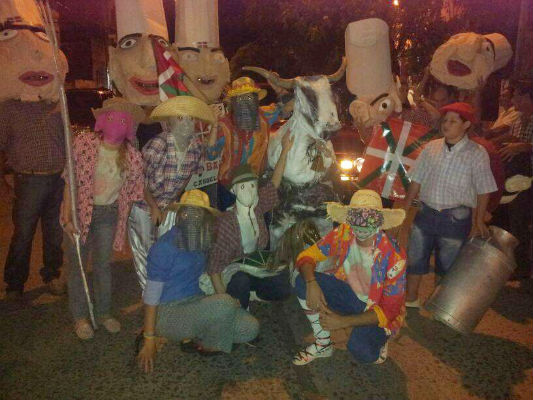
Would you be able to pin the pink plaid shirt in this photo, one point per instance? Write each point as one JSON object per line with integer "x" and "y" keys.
{"x": 85, "y": 153}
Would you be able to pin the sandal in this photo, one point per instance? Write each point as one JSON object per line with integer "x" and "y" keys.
{"x": 311, "y": 352}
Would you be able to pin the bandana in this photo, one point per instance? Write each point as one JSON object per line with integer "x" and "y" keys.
{"x": 365, "y": 218}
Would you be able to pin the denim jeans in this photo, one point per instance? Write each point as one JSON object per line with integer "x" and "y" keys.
{"x": 441, "y": 231}
{"x": 271, "y": 289}
{"x": 100, "y": 244}
{"x": 365, "y": 342}
{"x": 36, "y": 197}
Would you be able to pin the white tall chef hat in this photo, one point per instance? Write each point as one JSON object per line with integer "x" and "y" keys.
{"x": 197, "y": 23}
{"x": 502, "y": 50}
{"x": 20, "y": 12}
{"x": 369, "y": 71}
{"x": 140, "y": 16}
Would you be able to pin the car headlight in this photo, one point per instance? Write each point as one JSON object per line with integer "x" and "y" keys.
{"x": 346, "y": 164}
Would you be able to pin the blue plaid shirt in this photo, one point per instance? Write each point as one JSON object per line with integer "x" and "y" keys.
{"x": 167, "y": 171}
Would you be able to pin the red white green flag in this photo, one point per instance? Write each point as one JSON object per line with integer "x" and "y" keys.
{"x": 169, "y": 72}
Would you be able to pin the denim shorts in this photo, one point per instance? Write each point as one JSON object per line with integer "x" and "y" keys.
{"x": 441, "y": 231}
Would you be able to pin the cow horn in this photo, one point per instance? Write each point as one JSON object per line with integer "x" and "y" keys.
{"x": 272, "y": 77}
{"x": 339, "y": 73}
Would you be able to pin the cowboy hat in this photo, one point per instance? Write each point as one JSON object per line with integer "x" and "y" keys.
{"x": 514, "y": 186}
{"x": 193, "y": 198}
{"x": 244, "y": 85}
{"x": 122, "y": 105}
{"x": 365, "y": 198}
{"x": 184, "y": 106}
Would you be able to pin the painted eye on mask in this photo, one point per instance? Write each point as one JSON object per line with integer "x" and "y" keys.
{"x": 7, "y": 34}
{"x": 487, "y": 49}
{"x": 385, "y": 105}
{"x": 110, "y": 118}
{"x": 128, "y": 43}
{"x": 218, "y": 57}
{"x": 162, "y": 42}
{"x": 189, "y": 56}
{"x": 242, "y": 187}
{"x": 42, "y": 36}
{"x": 123, "y": 121}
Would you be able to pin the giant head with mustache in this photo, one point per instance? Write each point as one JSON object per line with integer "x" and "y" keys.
{"x": 26, "y": 55}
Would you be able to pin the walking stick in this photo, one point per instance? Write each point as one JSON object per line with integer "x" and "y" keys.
{"x": 51, "y": 33}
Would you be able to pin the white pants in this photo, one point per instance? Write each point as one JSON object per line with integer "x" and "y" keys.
{"x": 142, "y": 235}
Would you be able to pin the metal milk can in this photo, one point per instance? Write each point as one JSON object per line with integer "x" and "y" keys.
{"x": 481, "y": 269}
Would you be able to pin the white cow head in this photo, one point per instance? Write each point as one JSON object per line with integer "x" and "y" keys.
{"x": 314, "y": 106}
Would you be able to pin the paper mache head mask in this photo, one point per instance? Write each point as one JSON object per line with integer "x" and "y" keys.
{"x": 132, "y": 64}
{"x": 197, "y": 47}
{"x": 468, "y": 58}
{"x": 26, "y": 54}
{"x": 369, "y": 73}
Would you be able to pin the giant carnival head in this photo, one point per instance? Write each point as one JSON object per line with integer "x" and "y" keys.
{"x": 467, "y": 59}
{"x": 198, "y": 48}
{"x": 132, "y": 64}
{"x": 369, "y": 74}
{"x": 26, "y": 54}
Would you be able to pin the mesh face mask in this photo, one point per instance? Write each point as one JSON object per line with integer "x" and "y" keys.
{"x": 245, "y": 111}
{"x": 182, "y": 128}
{"x": 194, "y": 229}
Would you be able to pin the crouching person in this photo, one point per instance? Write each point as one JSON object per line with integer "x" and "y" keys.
{"x": 366, "y": 290}
{"x": 175, "y": 308}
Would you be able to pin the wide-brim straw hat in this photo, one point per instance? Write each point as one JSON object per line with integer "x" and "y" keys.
{"x": 515, "y": 185}
{"x": 365, "y": 198}
{"x": 184, "y": 106}
{"x": 244, "y": 85}
{"x": 193, "y": 198}
{"x": 122, "y": 105}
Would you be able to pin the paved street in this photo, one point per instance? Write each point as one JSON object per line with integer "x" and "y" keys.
{"x": 41, "y": 358}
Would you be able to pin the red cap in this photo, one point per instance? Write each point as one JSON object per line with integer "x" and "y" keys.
{"x": 465, "y": 110}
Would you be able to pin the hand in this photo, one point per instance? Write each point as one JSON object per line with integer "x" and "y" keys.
{"x": 69, "y": 229}
{"x": 480, "y": 229}
{"x": 510, "y": 150}
{"x": 146, "y": 356}
{"x": 287, "y": 141}
{"x": 315, "y": 298}
{"x": 156, "y": 215}
{"x": 332, "y": 321}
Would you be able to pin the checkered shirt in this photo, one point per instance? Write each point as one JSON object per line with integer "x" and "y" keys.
{"x": 228, "y": 243}
{"x": 453, "y": 177}
{"x": 523, "y": 129}
{"x": 417, "y": 116}
{"x": 167, "y": 172}
{"x": 31, "y": 135}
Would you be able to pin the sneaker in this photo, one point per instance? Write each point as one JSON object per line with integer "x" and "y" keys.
{"x": 83, "y": 329}
{"x": 111, "y": 325}
{"x": 413, "y": 304}
{"x": 57, "y": 287}
{"x": 383, "y": 354}
{"x": 315, "y": 350}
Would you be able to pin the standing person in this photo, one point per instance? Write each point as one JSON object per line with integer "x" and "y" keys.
{"x": 171, "y": 158}
{"x": 365, "y": 291}
{"x": 109, "y": 178}
{"x": 453, "y": 180}
{"x": 175, "y": 308}
{"x": 242, "y": 230}
{"x": 32, "y": 142}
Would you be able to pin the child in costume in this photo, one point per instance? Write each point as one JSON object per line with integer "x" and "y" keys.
{"x": 109, "y": 176}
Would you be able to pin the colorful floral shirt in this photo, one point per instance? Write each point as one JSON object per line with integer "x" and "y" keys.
{"x": 387, "y": 284}
{"x": 85, "y": 152}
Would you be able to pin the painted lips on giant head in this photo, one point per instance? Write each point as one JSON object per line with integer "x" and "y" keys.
{"x": 36, "y": 78}
{"x": 146, "y": 87}
{"x": 457, "y": 68}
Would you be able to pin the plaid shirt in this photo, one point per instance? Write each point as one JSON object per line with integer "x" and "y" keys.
{"x": 167, "y": 172}
{"x": 523, "y": 129}
{"x": 228, "y": 244}
{"x": 31, "y": 135}
{"x": 453, "y": 177}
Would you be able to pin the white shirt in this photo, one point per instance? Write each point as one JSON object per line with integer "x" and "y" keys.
{"x": 453, "y": 177}
{"x": 107, "y": 177}
{"x": 358, "y": 268}
{"x": 249, "y": 230}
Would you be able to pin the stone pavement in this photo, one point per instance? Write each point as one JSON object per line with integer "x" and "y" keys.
{"x": 41, "y": 358}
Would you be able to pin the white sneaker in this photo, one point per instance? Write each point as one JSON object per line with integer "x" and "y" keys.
{"x": 413, "y": 304}
{"x": 315, "y": 350}
{"x": 383, "y": 354}
{"x": 111, "y": 325}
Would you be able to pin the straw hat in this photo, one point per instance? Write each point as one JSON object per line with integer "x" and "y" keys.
{"x": 122, "y": 105}
{"x": 245, "y": 85}
{"x": 193, "y": 198}
{"x": 365, "y": 198}
{"x": 184, "y": 106}
{"x": 515, "y": 185}
{"x": 243, "y": 173}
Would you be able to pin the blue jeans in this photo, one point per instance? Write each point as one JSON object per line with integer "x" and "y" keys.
{"x": 365, "y": 342}
{"x": 273, "y": 288}
{"x": 100, "y": 243}
{"x": 36, "y": 197}
{"x": 443, "y": 231}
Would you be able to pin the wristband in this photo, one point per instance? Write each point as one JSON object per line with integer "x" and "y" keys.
{"x": 311, "y": 280}
{"x": 148, "y": 336}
